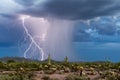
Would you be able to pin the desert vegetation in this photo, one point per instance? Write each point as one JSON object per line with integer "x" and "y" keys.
{"x": 64, "y": 70}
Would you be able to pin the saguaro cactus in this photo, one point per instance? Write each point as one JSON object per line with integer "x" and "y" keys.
{"x": 49, "y": 60}
{"x": 66, "y": 59}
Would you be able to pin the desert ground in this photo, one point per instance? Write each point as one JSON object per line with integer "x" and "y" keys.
{"x": 54, "y": 70}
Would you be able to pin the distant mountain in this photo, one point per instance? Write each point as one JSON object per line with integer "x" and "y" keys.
{"x": 17, "y": 59}
{"x": 21, "y": 59}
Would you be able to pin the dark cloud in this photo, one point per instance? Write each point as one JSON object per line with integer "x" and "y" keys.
{"x": 11, "y": 32}
{"x": 71, "y": 9}
{"x": 106, "y": 30}
{"x": 9, "y": 16}
{"x": 25, "y": 2}
{"x": 102, "y": 30}
{"x": 104, "y": 26}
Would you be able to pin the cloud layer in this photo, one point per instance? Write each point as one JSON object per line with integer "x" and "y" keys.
{"x": 70, "y": 9}
{"x": 11, "y": 31}
{"x": 105, "y": 29}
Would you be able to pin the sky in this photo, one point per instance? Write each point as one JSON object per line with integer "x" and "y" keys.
{"x": 95, "y": 33}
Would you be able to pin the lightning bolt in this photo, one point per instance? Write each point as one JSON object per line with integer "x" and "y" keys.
{"x": 33, "y": 42}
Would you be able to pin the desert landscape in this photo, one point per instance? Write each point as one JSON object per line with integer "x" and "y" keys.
{"x": 54, "y": 70}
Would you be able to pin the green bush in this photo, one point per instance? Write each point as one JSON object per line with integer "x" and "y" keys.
{"x": 13, "y": 77}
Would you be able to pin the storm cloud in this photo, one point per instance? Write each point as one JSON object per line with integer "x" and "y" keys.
{"x": 12, "y": 32}
{"x": 9, "y": 16}
{"x": 70, "y": 9}
{"x": 106, "y": 29}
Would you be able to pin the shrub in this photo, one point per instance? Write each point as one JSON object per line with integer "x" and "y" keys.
{"x": 14, "y": 77}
